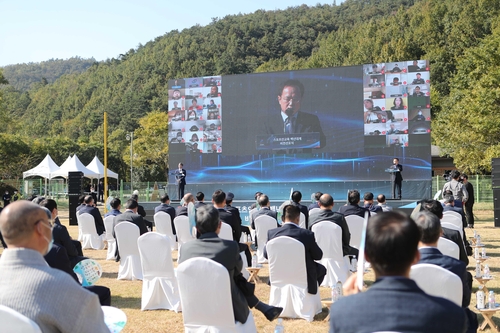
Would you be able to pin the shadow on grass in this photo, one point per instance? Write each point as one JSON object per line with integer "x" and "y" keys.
{"x": 109, "y": 275}
{"x": 126, "y": 302}
{"x": 322, "y": 315}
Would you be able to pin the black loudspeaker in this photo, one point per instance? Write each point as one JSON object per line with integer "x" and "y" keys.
{"x": 75, "y": 189}
{"x": 496, "y": 206}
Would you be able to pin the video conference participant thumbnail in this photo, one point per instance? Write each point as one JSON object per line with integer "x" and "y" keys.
{"x": 291, "y": 119}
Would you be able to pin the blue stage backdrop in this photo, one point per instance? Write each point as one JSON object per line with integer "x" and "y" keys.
{"x": 328, "y": 130}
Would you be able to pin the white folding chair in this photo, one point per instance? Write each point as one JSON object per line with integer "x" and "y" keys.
{"x": 302, "y": 222}
{"x": 437, "y": 281}
{"x": 109, "y": 223}
{"x": 226, "y": 232}
{"x": 453, "y": 219}
{"x": 288, "y": 276}
{"x": 355, "y": 224}
{"x": 244, "y": 271}
{"x": 163, "y": 223}
{"x": 90, "y": 238}
{"x": 15, "y": 322}
{"x": 182, "y": 228}
{"x": 250, "y": 213}
{"x": 205, "y": 291}
{"x": 452, "y": 213}
{"x": 314, "y": 211}
{"x": 130, "y": 261}
{"x": 328, "y": 235}
{"x": 448, "y": 247}
{"x": 263, "y": 224}
{"x": 159, "y": 284}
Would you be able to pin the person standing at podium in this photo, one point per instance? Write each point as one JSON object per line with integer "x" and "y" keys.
{"x": 396, "y": 178}
{"x": 180, "y": 176}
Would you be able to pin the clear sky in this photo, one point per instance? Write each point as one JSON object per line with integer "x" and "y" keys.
{"x": 34, "y": 30}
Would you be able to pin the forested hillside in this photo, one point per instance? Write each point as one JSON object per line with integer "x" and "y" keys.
{"x": 66, "y": 116}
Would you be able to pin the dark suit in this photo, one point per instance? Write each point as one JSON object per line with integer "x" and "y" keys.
{"x": 337, "y": 218}
{"x": 169, "y": 210}
{"x": 228, "y": 217}
{"x": 130, "y": 216}
{"x": 181, "y": 211}
{"x": 304, "y": 123}
{"x": 454, "y": 236}
{"x": 226, "y": 253}
{"x": 58, "y": 258}
{"x": 305, "y": 211}
{"x": 199, "y": 204}
{"x": 431, "y": 255}
{"x": 397, "y": 180}
{"x": 180, "y": 177}
{"x": 62, "y": 238}
{"x": 99, "y": 224}
{"x": 315, "y": 272}
{"x": 373, "y": 208}
{"x": 396, "y": 304}
{"x": 469, "y": 204}
{"x": 264, "y": 211}
{"x": 141, "y": 211}
{"x": 353, "y": 210}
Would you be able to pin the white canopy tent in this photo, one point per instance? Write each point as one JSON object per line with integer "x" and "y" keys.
{"x": 45, "y": 169}
{"x": 97, "y": 167}
{"x": 74, "y": 165}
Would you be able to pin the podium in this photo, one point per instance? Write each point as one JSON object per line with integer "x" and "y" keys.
{"x": 392, "y": 172}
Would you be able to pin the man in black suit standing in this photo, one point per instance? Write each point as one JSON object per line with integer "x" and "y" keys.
{"x": 352, "y": 207}
{"x": 470, "y": 201}
{"x": 396, "y": 178}
{"x": 130, "y": 215}
{"x": 165, "y": 207}
{"x": 291, "y": 120}
{"x": 180, "y": 176}
{"x": 391, "y": 248}
{"x": 89, "y": 208}
{"x": 226, "y": 253}
{"x": 315, "y": 271}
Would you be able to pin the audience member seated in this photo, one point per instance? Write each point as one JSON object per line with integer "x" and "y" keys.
{"x": 166, "y": 208}
{"x": 449, "y": 206}
{"x": 326, "y": 214}
{"x": 368, "y": 203}
{"x": 436, "y": 208}
{"x": 255, "y": 204}
{"x": 61, "y": 236}
{"x": 394, "y": 302}
{"x": 297, "y": 198}
{"x": 352, "y": 207}
{"x": 47, "y": 296}
{"x": 116, "y": 205}
{"x": 315, "y": 204}
{"x": 183, "y": 210}
{"x": 200, "y": 197}
{"x": 141, "y": 211}
{"x": 226, "y": 253}
{"x": 90, "y": 208}
{"x": 430, "y": 228}
{"x": 236, "y": 213}
{"x": 290, "y": 228}
{"x": 81, "y": 201}
{"x": 382, "y": 203}
{"x": 264, "y": 204}
{"x": 131, "y": 215}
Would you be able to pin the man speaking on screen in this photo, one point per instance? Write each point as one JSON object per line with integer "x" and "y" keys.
{"x": 291, "y": 119}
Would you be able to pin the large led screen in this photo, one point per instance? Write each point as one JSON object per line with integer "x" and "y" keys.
{"x": 318, "y": 126}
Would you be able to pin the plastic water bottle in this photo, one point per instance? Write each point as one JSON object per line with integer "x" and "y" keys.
{"x": 354, "y": 265}
{"x": 478, "y": 269}
{"x": 483, "y": 252}
{"x": 254, "y": 260}
{"x": 335, "y": 295}
{"x": 338, "y": 291}
{"x": 476, "y": 253}
{"x": 486, "y": 273}
{"x": 491, "y": 300}
{"x": 478, "y": 240}
{"x": 279, "y": 326}
{"x": 480, "y": 298}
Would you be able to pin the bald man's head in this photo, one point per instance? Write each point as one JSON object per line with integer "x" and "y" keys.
{"x": 326, "y": 201}
{"x": 21, "y": 226}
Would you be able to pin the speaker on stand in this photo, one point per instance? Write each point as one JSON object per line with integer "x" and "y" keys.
{"x": 75, "y": 190}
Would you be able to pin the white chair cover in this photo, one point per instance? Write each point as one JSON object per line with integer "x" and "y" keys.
{"x": 355, "y": 224}
{"x": 302, "y": 222}
{"x": 453, "y": 219}
{"x": 314, "y": 211}
{"x": 163, "y": 223}
{"x": 263, "y": 224}
{"x": 288, "y": 276}
{"x": 130, "y": 261}
{"x": 183, "y": 230}
{"x": 14, "y": 322}
{"x": 244, "y": 271}
{"x": 109, "y": 225}
{"x": 328, "y": 235}
{"x": 454, "y": 227}
{"x": 448, "y": 247}
{"x": 206, "y": 294}
{"x": 159, "y": 285}
{"x": 90, "y": 238}
{"x": 226, "y": 232}
{"x": 452, "y": 213}
{"x": 437, "y": 281}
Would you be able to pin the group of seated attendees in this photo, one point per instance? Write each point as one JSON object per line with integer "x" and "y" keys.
{"x": 394, "y": 242}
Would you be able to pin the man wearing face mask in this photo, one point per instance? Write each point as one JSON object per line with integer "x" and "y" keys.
{"x": 48, "y": 296}
{"x": 419, "y": 116}
{"x": 291, "y": 120}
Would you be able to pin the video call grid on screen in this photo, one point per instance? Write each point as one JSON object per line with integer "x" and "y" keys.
{"x": 237, "y": 122}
